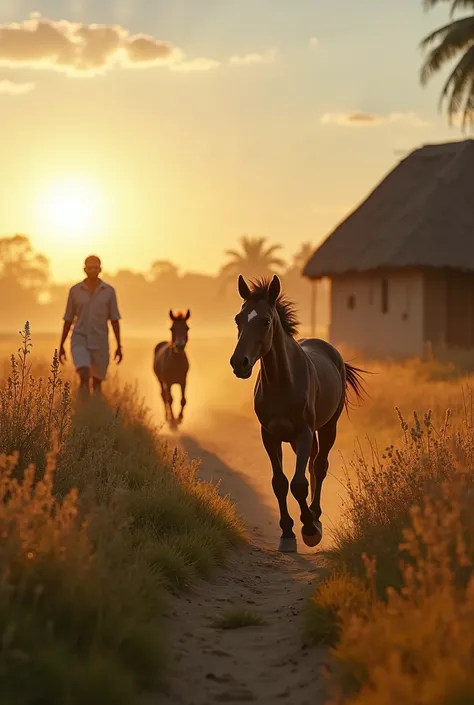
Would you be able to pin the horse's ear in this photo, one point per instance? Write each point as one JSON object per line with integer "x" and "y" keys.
{"x": 172, "y": 315}
{"x": 188, "y": 314}
{"x": 274, "y": 289}
{"x": 243, "y": 287}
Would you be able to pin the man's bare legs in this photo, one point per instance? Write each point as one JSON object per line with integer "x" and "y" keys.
{"x": 97, "y": 386}
{"x": 84, "y": 376}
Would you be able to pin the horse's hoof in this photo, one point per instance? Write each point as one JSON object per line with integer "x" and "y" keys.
{"x": 287, "y": 545}
{"x": 313, "y": 540}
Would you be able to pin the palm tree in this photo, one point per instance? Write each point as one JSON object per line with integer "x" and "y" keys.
{"x": 303, "y": 255}
{"x": 450, "y": 41}
{"x": 255, "y": 259}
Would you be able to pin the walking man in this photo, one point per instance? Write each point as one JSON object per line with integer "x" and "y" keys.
{"x": 90, "y": 305}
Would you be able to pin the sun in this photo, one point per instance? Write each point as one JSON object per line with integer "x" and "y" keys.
{"x": 71, "y": 205}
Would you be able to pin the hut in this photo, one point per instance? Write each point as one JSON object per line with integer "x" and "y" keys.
{"x": 401, "y": 265}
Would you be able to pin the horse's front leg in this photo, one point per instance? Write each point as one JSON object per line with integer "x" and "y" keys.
{"x": 280, "y": 487}
{"x": 183, "y": 400}
{"x": 311, "y": 530}
{"x": 164, "y": 396}
{"x": 172, "y": 419}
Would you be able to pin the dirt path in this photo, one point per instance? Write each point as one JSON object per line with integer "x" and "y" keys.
{"x": 264, "y": 664}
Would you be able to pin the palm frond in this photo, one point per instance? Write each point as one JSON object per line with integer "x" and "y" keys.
{"x": 458, "y": 5}
{"x": 234, "y": 253}
{"x": 454, "y": 37}
{"x": 275, "y": 262}
{"x": 231, "y": 266}
{"x": 468, "y": 115}
{"x": 460, "y": 89}
{"x": 455, "y": 5}
{"x": 429, "y": 4}
{"x": 271, "y": 250}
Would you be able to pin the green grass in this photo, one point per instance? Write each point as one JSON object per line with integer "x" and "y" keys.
{"x": 94, "y": 536}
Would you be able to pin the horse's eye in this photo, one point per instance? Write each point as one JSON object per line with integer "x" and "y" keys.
{"x": 267, "y": 323}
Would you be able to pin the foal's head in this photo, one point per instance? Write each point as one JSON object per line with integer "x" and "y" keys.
{"x": 179, "y": 330}
{"x": 262, "y": 310}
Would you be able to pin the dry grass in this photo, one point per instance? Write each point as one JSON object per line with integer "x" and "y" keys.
{"x": 98, "y": 518}
{"x": 399, "y": 605}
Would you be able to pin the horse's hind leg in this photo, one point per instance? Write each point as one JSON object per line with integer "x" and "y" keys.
{"x": 303, "y": 447}
{"x": 312, "y": 472}
{"x": 280, "y": 487}
{"x": 327, "y": 437}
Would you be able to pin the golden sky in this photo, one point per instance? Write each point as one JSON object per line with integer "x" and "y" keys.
{"x": 165, "y": 130}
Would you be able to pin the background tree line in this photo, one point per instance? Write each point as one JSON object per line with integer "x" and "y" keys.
{"x": 27, "y": 290}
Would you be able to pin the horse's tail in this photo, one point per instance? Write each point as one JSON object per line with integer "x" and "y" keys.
{"x": 354, "y": 383}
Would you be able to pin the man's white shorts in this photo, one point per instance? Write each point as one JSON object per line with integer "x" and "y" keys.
{"x": 96, "y": 360}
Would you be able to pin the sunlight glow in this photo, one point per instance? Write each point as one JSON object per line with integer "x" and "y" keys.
{"x": 71, "y": 206}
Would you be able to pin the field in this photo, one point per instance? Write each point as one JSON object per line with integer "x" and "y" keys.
{"x": 261, "y": 592}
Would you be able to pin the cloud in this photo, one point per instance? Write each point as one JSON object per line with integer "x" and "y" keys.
{"x": 266, "y": 57}
{"x": 14, "y": 88}
{"x": 78, "y": 49}
{"x": 195, "y": 65}
{"x": 313, "y": 42}
{"x": 357, "y": 118}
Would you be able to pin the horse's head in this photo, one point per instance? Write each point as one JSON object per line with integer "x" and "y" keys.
{"x": 179, "y": 330}
{"x": 255, "y": 324}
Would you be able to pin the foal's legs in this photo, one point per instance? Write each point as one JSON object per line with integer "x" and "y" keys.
{"x": 303, "y": 446}
{"x": 327, "y": 437}
{"x": 280, "y": 487}
{"x": 165, "y": 397}
{"x": 183, "y": 400}
{"x": 172, "y": 419}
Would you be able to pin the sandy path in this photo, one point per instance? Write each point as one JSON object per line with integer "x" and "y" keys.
{"x": 265, "y": 664}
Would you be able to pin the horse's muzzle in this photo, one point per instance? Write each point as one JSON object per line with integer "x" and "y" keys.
{"x": 242, "y": 368}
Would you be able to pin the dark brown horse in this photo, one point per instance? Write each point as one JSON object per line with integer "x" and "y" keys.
{"x": 301, "y": 389}
{"x": 171, "y": 365}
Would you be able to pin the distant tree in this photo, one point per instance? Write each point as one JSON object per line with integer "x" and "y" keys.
{"x": 126, "y": 277}
{"x": 20, "y": 264}
{"x": 453, "y": 40}
{"x": 255, "y": 259}
{"x": 164, "y": 269}
{"x": 303, "y": 255}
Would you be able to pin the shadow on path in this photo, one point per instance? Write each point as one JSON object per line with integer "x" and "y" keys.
{"x": 248, "y": 502}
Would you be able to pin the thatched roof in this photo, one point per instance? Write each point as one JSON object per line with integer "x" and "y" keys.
{"x": 420, "y": 215}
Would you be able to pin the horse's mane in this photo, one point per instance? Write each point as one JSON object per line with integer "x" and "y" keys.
{"x": 180, "y": 316}
{"x": 285, "y": 308}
